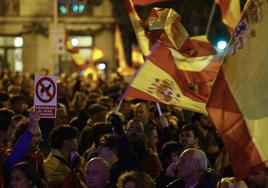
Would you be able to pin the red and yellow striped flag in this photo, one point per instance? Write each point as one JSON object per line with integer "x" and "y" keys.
{"x": 239, "y": 98}
{"x": 230, "y": 10}
{"x": 158, "y": 80}
{"x": 77, "y": 57}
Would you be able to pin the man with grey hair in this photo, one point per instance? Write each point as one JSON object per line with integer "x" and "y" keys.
{"x": 192, "y": 171}
{"x": 97, "y": 173}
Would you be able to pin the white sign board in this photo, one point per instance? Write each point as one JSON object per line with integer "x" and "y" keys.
{"x": 45, "y": 96}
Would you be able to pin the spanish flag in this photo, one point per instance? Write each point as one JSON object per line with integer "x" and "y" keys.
{"x": 230, "y": 10}
{"x": 238, "y": 102}
{"x": 158, "y": 80}
{"x": 77, "y": 57}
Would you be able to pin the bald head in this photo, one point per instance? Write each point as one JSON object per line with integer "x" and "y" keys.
{"x": 97, "y": 173}
{"x": 198, "y": 156}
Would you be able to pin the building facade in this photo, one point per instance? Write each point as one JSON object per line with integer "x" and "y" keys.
{"x": 32, "y": 33}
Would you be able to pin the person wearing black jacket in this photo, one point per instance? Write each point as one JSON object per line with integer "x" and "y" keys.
{"x": 192, "y": 170}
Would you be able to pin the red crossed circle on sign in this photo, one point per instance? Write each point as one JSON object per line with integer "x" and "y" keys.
{"x": 44, "y": 89}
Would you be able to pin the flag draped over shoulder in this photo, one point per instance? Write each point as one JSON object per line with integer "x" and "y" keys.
{"x": 159, "y": 81}
{"x": 230, "y": 10}
{"x": 238, "y": 102}
{"x": 147, "y": 2}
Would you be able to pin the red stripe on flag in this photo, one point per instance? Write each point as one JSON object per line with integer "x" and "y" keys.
{"x": 133, "y": 93}
{"x": 228, "y": 120}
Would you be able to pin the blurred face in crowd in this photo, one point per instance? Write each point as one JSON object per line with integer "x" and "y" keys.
{"x": 141, "y": 112}
{"x": 135, "y": 130}
{"x": 188, "y": 139}
{"x": 72, "y": 144}
{"x": 152, "y": 139}
{"x": 19, "y": 180}
{"x": 174, "y": 157}
{"x": 97, "y": 173}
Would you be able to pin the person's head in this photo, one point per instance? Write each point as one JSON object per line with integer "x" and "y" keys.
{"x": 19, "y": 104}
{"x": 192, "y": 164}
{"x": 4, "y": 100}
{"x": 64, "y": 137}
{"x": 97, "y": 173}
{"x": 97, "y": 112}
{"x": 24, "y": 175}
{"x": 62, "y": 115}
{"x": 135, "y": 179}
{"x": 258, "y": 178}
{"x": 189, "y": 136}
{"x": 141, "y": 112}
{"x": 135, "y": 130}
{"x": 169, "y": 153}
{"x": 231, "y": 182}
{"x": 201, "y": 120}
{"x": 21, "y": 128}
{"x": 108, "y": 146}
{"x": 5, "y": 121}
{"x": 150, "y": 136}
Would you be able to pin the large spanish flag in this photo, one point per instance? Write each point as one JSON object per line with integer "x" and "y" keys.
{"x": 158, "y": 80}
{"x": 238, "y": 105}
{"x": 230, "y": 10}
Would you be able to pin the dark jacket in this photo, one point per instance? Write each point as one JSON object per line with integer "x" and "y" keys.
{"x": 208, "y": 180}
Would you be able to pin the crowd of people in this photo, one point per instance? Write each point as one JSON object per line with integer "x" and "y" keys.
{"x": 89, "y": 144}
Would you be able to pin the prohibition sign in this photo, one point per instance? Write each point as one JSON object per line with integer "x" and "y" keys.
{"x": 45, "y": 89}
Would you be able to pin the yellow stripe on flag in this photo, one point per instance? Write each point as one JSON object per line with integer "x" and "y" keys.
{"x": 239, "y": 98}
{"x": 161, "y": 85}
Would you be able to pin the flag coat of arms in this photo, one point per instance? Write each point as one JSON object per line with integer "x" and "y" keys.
{"x": 158, "y": 80}
{"x": 238, "y": 105}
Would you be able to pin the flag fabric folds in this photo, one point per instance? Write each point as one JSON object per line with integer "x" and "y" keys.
{"x": 238, "y": 102}
{"x": 159, "y": 81}
{"x": 230, "y": 10}
{"x": 195, "y": 59}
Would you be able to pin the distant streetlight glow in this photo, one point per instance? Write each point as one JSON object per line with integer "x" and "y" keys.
{"x": 74, "y": 42}
{"x": 101, "y": 66}
{"x": 18, "y": 42}
{"x": 222, "y": 45}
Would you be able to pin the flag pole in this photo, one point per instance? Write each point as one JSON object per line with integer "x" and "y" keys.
{"x": 119, "y": 105}
{"x": 211, "y": 15}
{"x": 159, "y": 109}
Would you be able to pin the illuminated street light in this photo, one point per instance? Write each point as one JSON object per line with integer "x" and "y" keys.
{"x": 101, "y": 66}
{"x": 74, "y": 42}
{"x": 221, "y": 45}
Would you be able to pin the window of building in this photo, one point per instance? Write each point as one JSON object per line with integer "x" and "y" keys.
{"x": 11, "y": 52}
